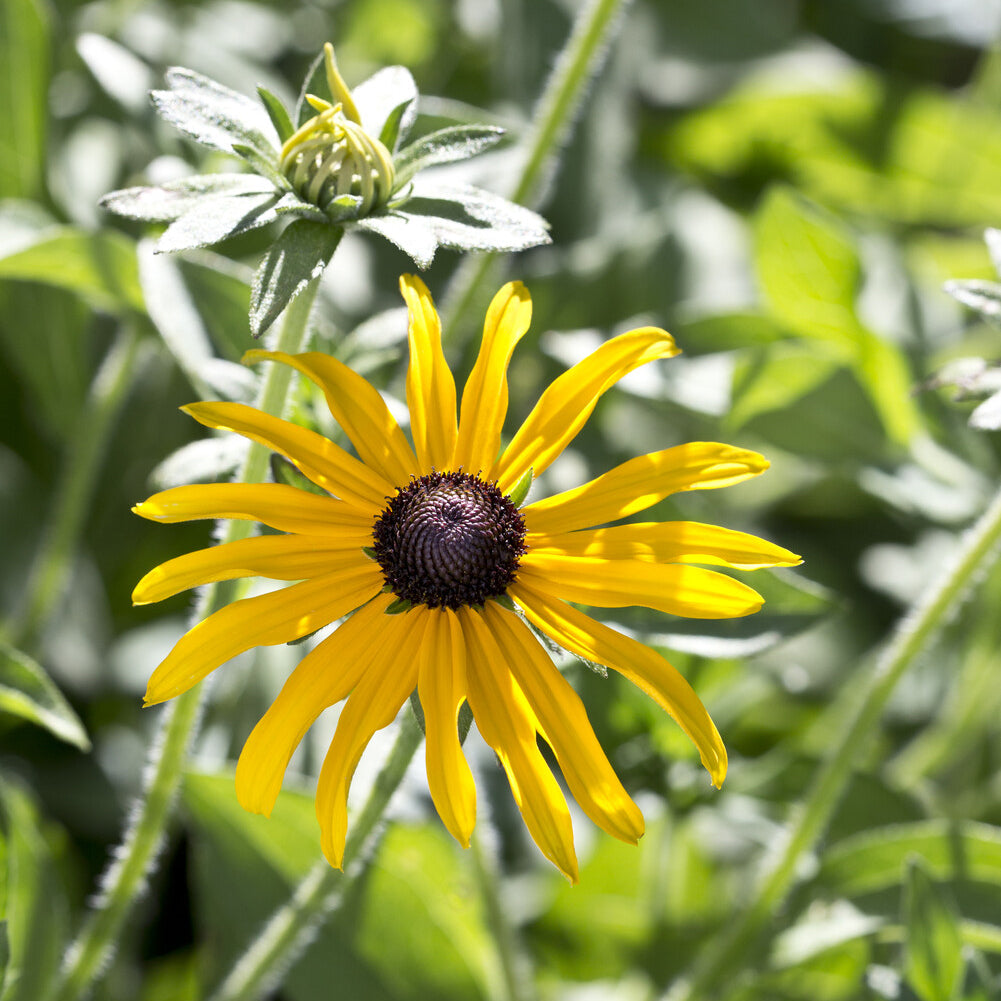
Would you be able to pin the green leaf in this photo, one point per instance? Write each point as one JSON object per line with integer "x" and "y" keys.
{"x": 35, "y": 905}
{"x": 216, "y": 219}
{"x": 100, "y": 266}
{"x": 399, "y": 606}
{"x": 265, "y": 166}
{"x": 297, "y": 257}
{"x": 24, "y": 84}
{"x": 282, "y": 471}
{"x": 520, "y": 491}
{"x": 390, "y": 134}
{"x": 214, "y": 115}
{"x": 27, "y": 691}
{"x": 934, "y": 964}
{"x": 4, "y": 954}
{"x": 277, "y": 112}
{"x": 378, "y": 98}
{"x": 171, "y": 200}
{"x": 411, "y": 235}
{"x": 459, "y": 142}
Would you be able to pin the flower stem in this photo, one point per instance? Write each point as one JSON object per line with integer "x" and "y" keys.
{"x": 915, "y": 631}
{"x": 54, "y": 560}
{"x": 554, "y": 115}
{"x": 292, "y": 927}
{"x": 125, "y": 879}
{"x": 511, "y": 965}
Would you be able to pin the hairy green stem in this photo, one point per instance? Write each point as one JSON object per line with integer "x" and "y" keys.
{"x": 84, "y": 456}
{"x": 554, "y": 117}
{"x": 322, "y": 890}
{"x": 729, "y": 951}
{"x": 125, "y": 879}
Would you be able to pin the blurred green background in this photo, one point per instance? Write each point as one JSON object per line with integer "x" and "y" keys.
{"x": 785, "y": 185}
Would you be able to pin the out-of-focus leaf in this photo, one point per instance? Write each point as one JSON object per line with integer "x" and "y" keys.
{"x": 875, "y": 859}
{"x": 987, "y": 416}
{"x": 214, "y": 115}
{"x": 220, "y": 289}
{"x": 823, "y": 928}
{"x": 298, "y": 256}
{"x": 27, "y": 691}
{"x": 123, "y": 75}
{"x": 984, "y": 297}
{"x": 24, "y": 83}
{"x": 100, "y": 266}
{"x": 35, "y": 903}
{"x": 202, "y": 461}
{"x": 934, "y": 963}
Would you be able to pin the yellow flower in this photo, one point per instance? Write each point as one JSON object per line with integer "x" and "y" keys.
{"x": 432, "y": 528}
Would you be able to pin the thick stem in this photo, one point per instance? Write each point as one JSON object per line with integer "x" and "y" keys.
{"x": 291, "y": 928}
{"x": 125, "y": 879}
{"x": 939, "y": 603}
{"x": 554, "y": 116}
{"x": 84, "y": 456}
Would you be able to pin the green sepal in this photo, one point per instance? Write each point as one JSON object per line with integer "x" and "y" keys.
{"x": 504, "y": 600}
{"x": 520, "y": 492}
{"x": 283, "y": 471}
{"x": 391, "y": 127}
{"x": 265, "y": 166}
{"x": 302, "y": 639}
{"x": 370, "y": 553}
{"x": 418, "y": 710}
{"x": 398, "y": 606}
{"x": 276, "y": 112}
{"x": 465, "y": 721}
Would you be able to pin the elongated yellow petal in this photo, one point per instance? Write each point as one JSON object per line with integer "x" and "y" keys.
{"x": 506, "y": 722}
{"x": 279, "y": 557}
{"x": 274, "y": 504}
{"x": 582, "y": 636}
{"x": 430, "y": 386}
{"x": 357, "y": 406}
{"x": 675, "y": 588}
{"x": 442, "y": 689}
{"x": 323, "y": 677}
{"x": 566, "y": 728}
{"x": 325, "y": 463}
{"x": 667, "y": 542}
{"x": 484, "y": 398}
{"x": 565, "y": 406}
{"x": 641, "y": 482}
{"x": 391, "y": 676}
{"x": 278, "y": 617}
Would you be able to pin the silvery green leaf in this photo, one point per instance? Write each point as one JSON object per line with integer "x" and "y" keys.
{"x": 984, "y": 297}
{"x": 343, "y": 207}
{"x": 293, "y": 205}
{"x": 216, "y": 218}
{"x": 202, "y": 461}
{"x": 381, "y": 94}
{"x": 413, "y": 235}
{"x": 214, "y": 115}
{"x": 298, "y": 256}
{"x": 458, "y": 142}
{"x": 263, "y": 165}
{"x": 170, "y": 201}
{"x": 277, "y": 112}
{"x": 987, "y": 416}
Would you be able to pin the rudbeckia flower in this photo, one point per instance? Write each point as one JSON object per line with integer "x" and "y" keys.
{"x": 439, "y": 576}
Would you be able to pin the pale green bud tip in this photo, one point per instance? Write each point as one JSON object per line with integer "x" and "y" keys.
{"x": 332, "y": 155}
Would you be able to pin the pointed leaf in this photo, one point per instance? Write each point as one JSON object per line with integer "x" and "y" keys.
{"x": 27, "y": 691}
{"x": 214, "y": 115}
{"x": 170, "y": 201}
{"x": 297, "y": 257}
{"x": 459, "y": 142}
{"x": 381, "y": 94}
{"x": 215, "y": 219}
{"x": 411, "y": 234}
{"x": 934, "y": 963}
{"x": 277, "y": 112}
{"x": 123, "y": 75}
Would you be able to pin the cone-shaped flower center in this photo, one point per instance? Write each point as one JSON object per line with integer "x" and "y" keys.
{"x": 449, "y": 539}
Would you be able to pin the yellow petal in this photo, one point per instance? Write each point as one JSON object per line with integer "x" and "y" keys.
{"x": 668, "y": 542}
{"x": 323, "y": 677}
{"x": 584, "y": 637}
{"x": 430, "y": 386}
{"x": 641, "y": 482}
{"x": 566, "y": 404}
{"x": 390, "y": 677}
{"x": 674, "y": 588}
{"x": 325, "y": 463}
{"x": 442, "y": 689}
{"x": 273, "y": 504}
{"x": 357, "y": 406}
{"x": 506, "y": 723}
{"x": 484, "y": 398}
{"x": 278, "y": 617}
{"x": 566, "y": 728}
{"x": 278, "y": 557}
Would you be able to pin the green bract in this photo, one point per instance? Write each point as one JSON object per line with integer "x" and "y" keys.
{"x": 339, "y": 163}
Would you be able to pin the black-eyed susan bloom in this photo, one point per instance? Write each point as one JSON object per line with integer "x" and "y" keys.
{"x": 425, "y": 550}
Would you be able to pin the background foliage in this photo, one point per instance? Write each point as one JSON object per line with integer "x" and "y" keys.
{"x": 785, "y": 186}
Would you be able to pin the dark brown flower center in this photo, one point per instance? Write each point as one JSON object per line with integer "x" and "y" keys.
{"x": 449, "y": 539}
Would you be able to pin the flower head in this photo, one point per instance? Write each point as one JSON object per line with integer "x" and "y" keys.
{"x": 442, "y": 571}
{"x": 340, "y": 163}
